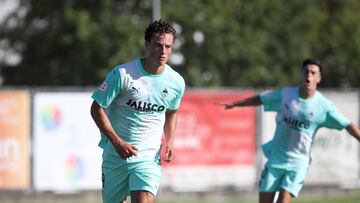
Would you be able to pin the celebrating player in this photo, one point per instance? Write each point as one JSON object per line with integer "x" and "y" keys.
{"x": 301, "y": 111}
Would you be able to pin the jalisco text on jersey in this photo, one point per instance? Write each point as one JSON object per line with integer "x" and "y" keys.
{"x": 145, "y": 106}
{"x": 295, "y": 123}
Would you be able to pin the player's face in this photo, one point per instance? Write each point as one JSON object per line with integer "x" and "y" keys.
{"x": 311, "y": 76}
{"x": 159, "y": 48}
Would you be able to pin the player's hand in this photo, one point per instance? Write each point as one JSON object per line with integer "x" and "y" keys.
{"x": 226, "y": 105}
{"x": 168, "y": 154}
{"x": 125, "y": 150}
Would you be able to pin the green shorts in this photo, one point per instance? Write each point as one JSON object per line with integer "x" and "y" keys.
{"x": 273, "y": 179}
{"x": 120, "y": 177}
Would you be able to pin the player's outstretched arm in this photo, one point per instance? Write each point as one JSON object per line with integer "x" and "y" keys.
{"x": 250, "y": 101}
{"x": 354, "y": 131}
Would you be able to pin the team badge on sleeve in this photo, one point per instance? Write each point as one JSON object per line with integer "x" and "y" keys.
{"x": 103, "y": 86}
{"x": 164, "y": 93}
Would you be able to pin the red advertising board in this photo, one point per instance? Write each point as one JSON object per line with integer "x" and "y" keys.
{"x": 209, "y": 135}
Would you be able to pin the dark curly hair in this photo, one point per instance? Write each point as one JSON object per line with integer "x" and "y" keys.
{"x": 312, "y": 62}
{"x": 159, "y": 26}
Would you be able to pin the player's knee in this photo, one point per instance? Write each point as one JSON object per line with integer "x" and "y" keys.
{"x": 284, "y": 197}
{"x": 142, "y": 197}
{"x": 123, "y": 201}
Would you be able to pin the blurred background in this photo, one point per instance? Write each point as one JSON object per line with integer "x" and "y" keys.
{"x": 53, "y": 54}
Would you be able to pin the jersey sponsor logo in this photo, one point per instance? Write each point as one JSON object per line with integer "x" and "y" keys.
{"x": 296, "y": 123}
{"x": 103, "y": 86}
{"x": 145, "y": 106}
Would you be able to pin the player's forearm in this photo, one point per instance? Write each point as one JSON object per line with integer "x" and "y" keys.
{"x": 354, "y": 131}
{"x": 100, "y": 118}
{"x": 251, "y": 101}
{"x": 170, "y": 126}
{"x": 169, "y": 135}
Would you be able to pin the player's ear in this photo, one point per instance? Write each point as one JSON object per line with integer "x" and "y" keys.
{"x": 147, "y": 44}
{"x": 320, "y": 77}
{"x": 318, "y": 80}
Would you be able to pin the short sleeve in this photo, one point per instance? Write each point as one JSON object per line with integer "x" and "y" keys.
{"x": 175, "y": 103}
{"x": 271, "y": 100}
{"x": 109, "y": 89}
{"x": 334, "y": 118}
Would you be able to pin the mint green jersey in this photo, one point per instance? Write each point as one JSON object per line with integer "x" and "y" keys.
{"x": 135, "y": 102}
{"x": 297, "y": 121}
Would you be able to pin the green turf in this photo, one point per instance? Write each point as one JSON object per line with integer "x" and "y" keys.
{"x": 345, "y": 199}
{"x": 349, "y": 199}
{"x": 305, "y": 199}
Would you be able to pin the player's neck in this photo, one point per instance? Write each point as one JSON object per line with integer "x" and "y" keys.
{"x": 306, "y": 93}
{"x": 149, "y": 67}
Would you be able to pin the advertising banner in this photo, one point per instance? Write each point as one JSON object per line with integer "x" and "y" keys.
{"x": 213, "y": 147}
{"x": 66, "y": 155}
{"x": 14, "y": 139}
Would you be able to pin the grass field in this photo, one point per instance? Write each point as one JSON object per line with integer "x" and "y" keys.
{"x": 347, "y": 199}
{"x": 354, "y": 199}
{"x": 4, "y": 198}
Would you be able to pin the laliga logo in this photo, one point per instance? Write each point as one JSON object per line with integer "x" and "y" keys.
{"x": 103, "y": 86}
{"x": 51, "y": 117}
{"x": 74, "y": 168}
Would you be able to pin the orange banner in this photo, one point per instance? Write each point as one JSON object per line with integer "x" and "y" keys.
{"x": 14, "y": 139}
{"x": 209, "y": 135}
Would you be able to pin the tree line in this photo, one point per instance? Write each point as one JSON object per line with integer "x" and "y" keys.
{"x": 228, "y": 43}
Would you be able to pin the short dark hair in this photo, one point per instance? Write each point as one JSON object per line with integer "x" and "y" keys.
{"x": 159, "y": 26}
{"x": 312, "y": 62}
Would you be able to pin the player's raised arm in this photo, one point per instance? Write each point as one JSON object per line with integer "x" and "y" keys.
{"x": 250, "y": 101}
{"x": 354, "y": 131}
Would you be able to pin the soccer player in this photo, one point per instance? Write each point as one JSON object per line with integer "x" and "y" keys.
{"x": 136, "y": 103}
{"x": 301, "y": 111}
